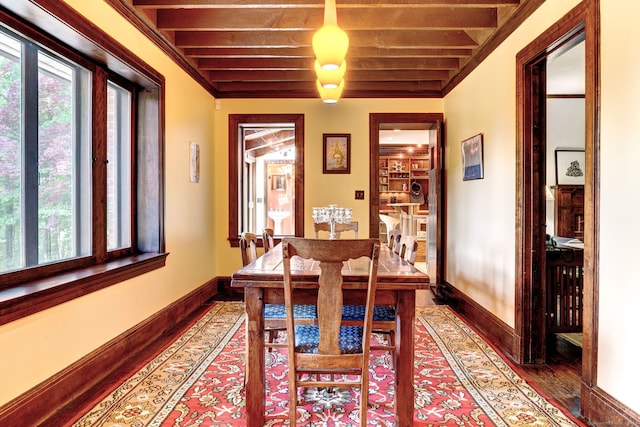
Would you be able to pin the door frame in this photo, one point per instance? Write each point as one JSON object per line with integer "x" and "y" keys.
{"x": 436, "y": 205}
{"x": 529, "y": 343}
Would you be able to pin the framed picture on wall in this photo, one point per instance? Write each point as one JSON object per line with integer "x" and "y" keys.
{"x": 336, "y": 153}
{"x": 570, "y": 167}
{"x": 472, "y": 160}
{"x": 278, "y": 182}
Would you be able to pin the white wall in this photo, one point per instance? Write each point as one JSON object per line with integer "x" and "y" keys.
{"x": 565, "y": 130}
{"x": 618, "y": 372}
{"x": 481, "y": 214}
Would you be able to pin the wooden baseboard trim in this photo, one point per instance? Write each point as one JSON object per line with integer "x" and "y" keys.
{"x": 600, "y": 409}
{"x": 501, "y": 335}
{"x": 67, "y": 387}
{"x": 603, "y": 410}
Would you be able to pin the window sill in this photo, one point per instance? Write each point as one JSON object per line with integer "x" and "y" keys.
{"x": 31, "y": 297}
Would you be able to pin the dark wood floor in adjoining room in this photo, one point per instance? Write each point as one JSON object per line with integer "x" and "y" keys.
{"x": 561, "y": 376}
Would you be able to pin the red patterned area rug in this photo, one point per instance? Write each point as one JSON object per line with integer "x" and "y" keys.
{"x": 198, "y": 381}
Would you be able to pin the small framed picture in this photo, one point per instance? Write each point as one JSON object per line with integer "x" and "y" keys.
{"x": 570, "y": 167}
{"x": 336, "y": 153}
{"x": 278, "y": 182}
{"x": 472, "y": 158}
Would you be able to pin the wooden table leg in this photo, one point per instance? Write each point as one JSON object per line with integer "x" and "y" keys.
{"x": 254, "y": 374}
{"x": 405, "y": 317}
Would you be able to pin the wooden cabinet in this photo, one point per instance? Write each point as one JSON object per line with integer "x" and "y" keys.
{"x": 569, "y": 211}
{"x": 396, "y": 176}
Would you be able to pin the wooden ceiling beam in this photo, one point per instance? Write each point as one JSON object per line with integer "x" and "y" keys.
{"x": 400, "y": 17}
{"x": 412, "y": 86}
{"x": 318, "y": 4}
{"x": 282, "y": 64}
{"x": 352, "y": 75}
{"x": 262, "y": 48}
{"x": 282, "y": 39}
{"x": 263, "y": 75}
{"x": 287, "y": 64}
{"x": 300, "y": 52}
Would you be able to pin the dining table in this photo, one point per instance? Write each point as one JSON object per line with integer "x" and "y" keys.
{"x": 397, "y": 283}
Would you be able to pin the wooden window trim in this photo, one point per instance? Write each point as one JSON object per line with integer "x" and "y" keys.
{"x": 23, "y": 294}
{"x": 33, "y": 296}
{"x": 234, "y": 152}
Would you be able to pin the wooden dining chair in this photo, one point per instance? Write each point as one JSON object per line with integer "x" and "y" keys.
{"x": 394, "y": 238}
{"x": 317, "y": 353}
{"x": 409, "y": 248}
{"x": 391, "y": 223}
{"x": 384, "y": 316}
{"x": 274, "y": 314}
{"x": 339, "y": 228}
{"x": 248, "y": 247}
{"x": 267, "y": 239}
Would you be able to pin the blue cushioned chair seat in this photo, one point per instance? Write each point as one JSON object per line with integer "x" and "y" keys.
{"x": 277, "y": 311}
{"x": 380, "y": 312}
{"x": 308, "y": 339}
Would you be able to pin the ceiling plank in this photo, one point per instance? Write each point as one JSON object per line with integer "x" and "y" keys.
{"x": 262, "y": 48}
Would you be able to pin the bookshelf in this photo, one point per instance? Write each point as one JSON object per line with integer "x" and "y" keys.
{"x": 396, "y": 174}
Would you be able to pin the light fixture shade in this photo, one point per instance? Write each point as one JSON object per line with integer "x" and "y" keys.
{"x": 330, "y": 79}
{"x": 330, "y": 44}
{"x": 330, "y": 96}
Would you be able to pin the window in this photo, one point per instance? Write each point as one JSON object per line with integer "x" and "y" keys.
{"x": 119, "y": 167}
{"x": 266, "y": 174}
{"x": 78, "y": 143}
{"x": 44, "y": 157}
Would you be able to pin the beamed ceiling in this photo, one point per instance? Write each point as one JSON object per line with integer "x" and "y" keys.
{"x": 262, "y": 48}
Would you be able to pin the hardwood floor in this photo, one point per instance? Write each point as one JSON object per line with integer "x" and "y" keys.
{"x": 559, "y": 379}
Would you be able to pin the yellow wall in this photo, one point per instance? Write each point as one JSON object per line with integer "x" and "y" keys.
{"x": 36, "y": 347}
{"x": 347, "y": 116}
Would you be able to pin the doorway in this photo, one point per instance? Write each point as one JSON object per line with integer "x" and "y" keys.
{"x": 532, "y": 158}
{"x": 266, "y": 174}
{"x": 418, "y": 174}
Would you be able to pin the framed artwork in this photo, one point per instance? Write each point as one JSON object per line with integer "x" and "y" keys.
{"x": 570, "y": 167}
{"x": 278, "y": 183}
{"x": 472, "y": 158}
{"x": 194, "y": 162}
{"x": 336, "y": 153}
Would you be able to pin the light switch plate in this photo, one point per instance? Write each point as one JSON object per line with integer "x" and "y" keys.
{"x": 359, "y": 194}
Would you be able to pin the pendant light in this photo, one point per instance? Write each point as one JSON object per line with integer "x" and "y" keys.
{"x": 330, "y": 79}
{"x": 330, "y": 43}
{"x": 330, "y": 96}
